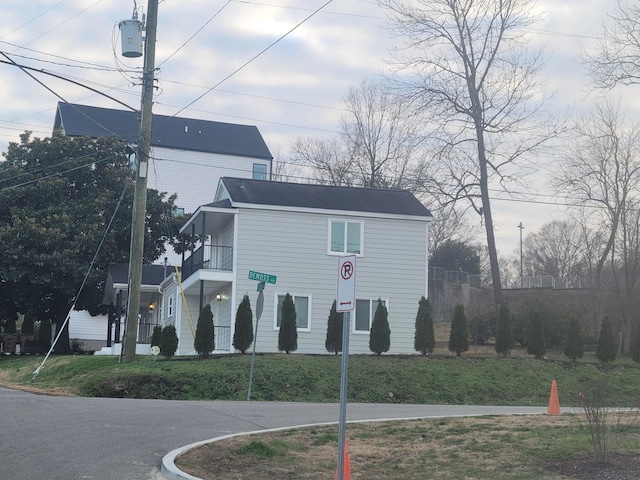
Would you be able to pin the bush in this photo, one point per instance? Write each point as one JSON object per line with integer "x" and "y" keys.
{"x": 44, "y": 334}
{"x": 168, "y": 341}
{"x": 574, "y": 343}
{"x": 27, "y": 325}
{"x": 536, "y": 345}
{"x": 10, "y": 325}
{"x": 288, "y": 334}
{"x": 504, "y": 335}
{"x": 380, "y": 335}
{"x": 607, "y": 428}
{"x": 243, "y": 332}
{"x": 606, "y": 349}
{"x": 459, "y": 334}
{"x": 204, "y": 341}
{"x": 333, "y": 342}
{"x": 156, "y": 336}
{"x": 482, "y": 326}
{"x": 424, "y": 339}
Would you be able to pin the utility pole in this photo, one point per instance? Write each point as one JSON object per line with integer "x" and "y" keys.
{"x": 521, "y": 227}
{"x": 140, "y": 193}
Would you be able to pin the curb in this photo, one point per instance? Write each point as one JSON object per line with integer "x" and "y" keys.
{"x": 172, "y": 472}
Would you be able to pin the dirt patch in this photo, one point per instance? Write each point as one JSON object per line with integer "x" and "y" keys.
{"x": 620, "y": 467}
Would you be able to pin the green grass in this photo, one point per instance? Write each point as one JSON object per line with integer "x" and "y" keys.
{"x": 316, "y": 378}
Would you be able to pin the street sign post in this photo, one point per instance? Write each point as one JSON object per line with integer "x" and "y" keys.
{"x": 262, "y": 279}
{"x": 345, "y": 303}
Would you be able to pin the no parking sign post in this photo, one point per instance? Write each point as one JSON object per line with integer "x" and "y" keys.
{"x": 345, "y": 303}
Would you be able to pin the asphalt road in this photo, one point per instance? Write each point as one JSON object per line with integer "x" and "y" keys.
{"x": 69, "y": 438}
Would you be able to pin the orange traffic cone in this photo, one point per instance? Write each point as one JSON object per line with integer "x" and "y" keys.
{"x": 346, "y": 471}
{"x": 554, "y": 403}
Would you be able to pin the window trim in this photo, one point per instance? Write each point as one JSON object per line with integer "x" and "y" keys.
{"x": 372, "y": 313}
{"x": 346, "y": 221}
{"x": 294, "y": 295}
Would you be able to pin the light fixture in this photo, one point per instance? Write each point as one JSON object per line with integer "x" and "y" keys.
{"x": 219, "y": 297}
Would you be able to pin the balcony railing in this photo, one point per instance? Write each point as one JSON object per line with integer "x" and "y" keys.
{"x": 208, "y": 257}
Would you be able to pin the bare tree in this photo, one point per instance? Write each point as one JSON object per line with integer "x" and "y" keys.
{"x": 283, "y": 170}
{"x": 557, "y": 249}
{"x": 327, "y": 161}
{"x": 601, "y": 172}
{"x": 467, "y": 68}
{"x": 448, "y": 224}
{"x": 381, "y": 138}
{"x": 379, "y": 144}
{"x": 616, "y": 58}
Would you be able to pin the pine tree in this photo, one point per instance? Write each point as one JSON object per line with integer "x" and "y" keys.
{"x": 424, "y": 339}
{"x": 504, "y": 335}
{"x": 204, "y": 342}
{"x": 459, "y": 335}
{"x": 288, "y": 334}
{"x": 536, "y": 345}
{"x": 635, "y": 343}
{"x": 243, "y": 333}
{"x": 333, "y": 342}
{"x": 606, "y": 349}
{"x": 168, "y": 341}
{"x": 574, "y": 342}
{"x": 380, "y": 335}
{"x": 156, "y": 336}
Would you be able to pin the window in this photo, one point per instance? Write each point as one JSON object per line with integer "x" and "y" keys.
{"x": 303, "y": 311}
{"x": 170, "y": 306}
{"x": 259, "y": 171}
{"x": 365, "y": 310}
{"x": 345, "y": 237}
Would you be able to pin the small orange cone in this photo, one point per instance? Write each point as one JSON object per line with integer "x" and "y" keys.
{"x": 554, "y": 403}
{"x": 346, "y": 471}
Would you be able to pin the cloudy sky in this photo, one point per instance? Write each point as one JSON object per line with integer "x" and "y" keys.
{"x": 293, "y": 89}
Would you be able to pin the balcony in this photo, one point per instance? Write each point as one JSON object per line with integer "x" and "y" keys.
{"x": 208, "y": 257}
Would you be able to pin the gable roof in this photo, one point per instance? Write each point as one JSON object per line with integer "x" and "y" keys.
{"x": 324, "y": 197}
{"x": 170, "y": 132}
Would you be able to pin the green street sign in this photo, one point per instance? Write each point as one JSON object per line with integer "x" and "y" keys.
{"x": 262, "y": 277}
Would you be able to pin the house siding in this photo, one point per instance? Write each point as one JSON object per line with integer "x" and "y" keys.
{"x": 293, "y": 246}
{"x": 205, "y": 170}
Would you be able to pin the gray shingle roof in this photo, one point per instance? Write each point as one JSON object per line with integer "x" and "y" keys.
{"x": 325, "y": 197}
{"x": 169, "y": 132}
{"x": 151, "y": 274}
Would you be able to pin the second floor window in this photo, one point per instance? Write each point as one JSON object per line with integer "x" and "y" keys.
{"x": 259, "y": 171}
{"x": 345, "y": 236}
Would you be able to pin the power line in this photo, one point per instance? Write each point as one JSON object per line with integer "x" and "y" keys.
{"x": 25, "y": 69}
{"x": 253, "y": 58}
{"x": 196, "y": 33}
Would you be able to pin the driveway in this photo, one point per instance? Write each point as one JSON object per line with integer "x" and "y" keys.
{"x": 70, "y": 438}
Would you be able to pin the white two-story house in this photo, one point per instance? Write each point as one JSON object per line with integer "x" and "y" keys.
{"x": 188, "y": 157}
{"x": 296, "y": 233}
